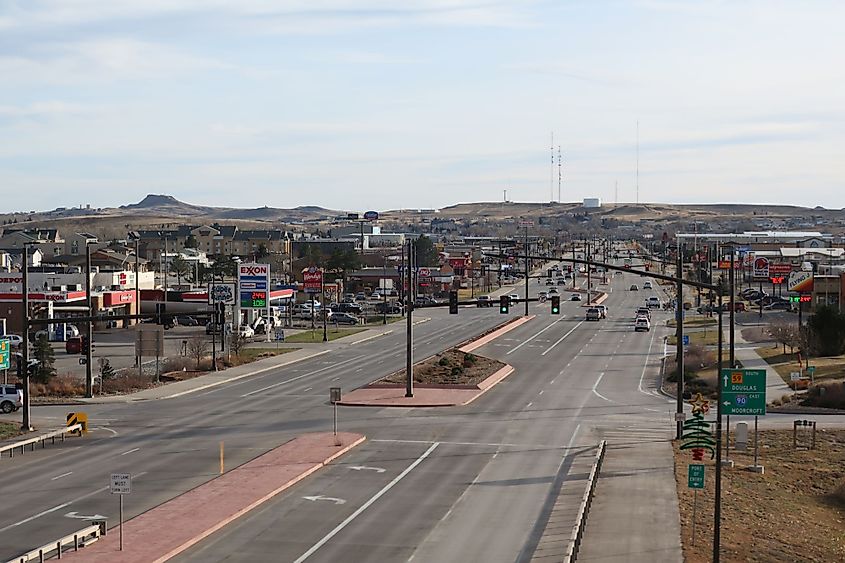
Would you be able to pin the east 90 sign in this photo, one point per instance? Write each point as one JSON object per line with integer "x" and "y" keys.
{"x": 254, "y": 299}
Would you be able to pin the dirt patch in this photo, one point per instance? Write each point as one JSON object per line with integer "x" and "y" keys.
{"x": 793, "y": 512}
{"x": 756, "y": 334}
{"x": 451, "y": 367}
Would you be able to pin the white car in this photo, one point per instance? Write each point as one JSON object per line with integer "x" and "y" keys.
{"x": 14, "y": 340}
{"x": 514, "y": 296}
{"x": 11, "y": 398}
{"x": 653, "y": 302}
{"x": 647, "y": 285}
{"x": 642, "y": 324}
{"x": 245, "y": 331}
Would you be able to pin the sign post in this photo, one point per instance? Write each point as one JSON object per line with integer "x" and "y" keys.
{"x": 695, "y": 481}
{"x": 5, "y": 358}
{"x": 253, "y": 290}
{"x": 121, "y": 484}
{"x": 334, "y": 397}
{"x": 744, "y": 392}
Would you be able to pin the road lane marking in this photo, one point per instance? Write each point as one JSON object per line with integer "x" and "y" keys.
{"x": 130, "y": 451}
{"x": 596, "y": 384}
{"x": 645, "y": 365}
{"x": 366, "y": 505}
{"x": 315, "y": 498}
{"x": 62, "y": 475}
{"x": 518, "y": 346}
{"x": 528, "y": 406}
{"x": 315, "y": 372}
{"x": 540, "y": 393}
{"x": 310, "y": 388}
{"x": 561, "y": 340}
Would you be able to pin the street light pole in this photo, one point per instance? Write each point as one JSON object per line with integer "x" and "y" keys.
{"x": 679, "y": 340}
{"x": 526, "y": 269}
{"x": 384, "y": 290}
{"x": 89, "y": 377}
{"x": 26, "y": 423}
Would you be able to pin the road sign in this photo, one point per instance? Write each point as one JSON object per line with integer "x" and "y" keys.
{"x": 686, "y": 340}
{"x": 5, "y": 353}
{"x": 334, "y": 394}
{"x": 120, "y": 483}
{"x": 794, "y": 376}
{"x": 811, "y": 370}
{"x": 78, "y": 418}
{"x": 424, "y": 272}
{"x": 280, "y": 334}
{"x": 254, "y": 285}
{"x": 743, "y": 391}
{"x": 695, "y": 476}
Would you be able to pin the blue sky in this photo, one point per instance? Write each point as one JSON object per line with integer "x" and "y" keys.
{"x": 379, "y": 104}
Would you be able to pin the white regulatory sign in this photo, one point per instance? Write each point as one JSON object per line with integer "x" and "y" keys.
{"x": 121, "y": 483}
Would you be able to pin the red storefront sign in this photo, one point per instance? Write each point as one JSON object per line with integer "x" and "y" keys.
{"x": 779, "y": 269}
{"x": 313, "y": 278}
{"x": 118, "y": 298}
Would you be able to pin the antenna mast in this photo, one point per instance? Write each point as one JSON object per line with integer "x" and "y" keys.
{"x": 559, "y": 198}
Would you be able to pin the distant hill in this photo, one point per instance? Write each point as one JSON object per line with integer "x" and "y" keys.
{"x": 161, "y": 203}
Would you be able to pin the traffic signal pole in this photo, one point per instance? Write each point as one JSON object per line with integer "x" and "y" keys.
{"x": 526, "y": 269}
{"x": 679, "y": 339}
{"x": 409, "y": 305}
{"x": 89, "y": 378}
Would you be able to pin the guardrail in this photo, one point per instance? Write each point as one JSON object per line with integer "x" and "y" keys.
{"x": 74, "y": 541}
{"x": 42, "y": 438}
{"x": 581, "y": 521}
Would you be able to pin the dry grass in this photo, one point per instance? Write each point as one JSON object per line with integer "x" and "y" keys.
{"x": 831, "y": 367}
{"x": 793, "y": 512}
{"x": 451, "y": 367}
{"x": 9, "y": 430}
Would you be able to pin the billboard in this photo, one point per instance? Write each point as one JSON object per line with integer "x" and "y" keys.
{"x": 254, "y": 285}
{"x": 371, "y": 215}
{"x": 801, "y": 282}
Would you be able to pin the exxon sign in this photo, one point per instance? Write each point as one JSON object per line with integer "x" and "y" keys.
{"x": 254, "y": 270}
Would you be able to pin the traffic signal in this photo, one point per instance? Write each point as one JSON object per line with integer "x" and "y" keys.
{"x": 555, "y": 304}
{"x": 504, "y": 304}
{"x": 453, "y": 302}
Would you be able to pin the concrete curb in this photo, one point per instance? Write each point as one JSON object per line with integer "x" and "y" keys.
{"x": 373, "y": 337}
{"x": 493, "y": 380}
{"x": 487, "y": 338}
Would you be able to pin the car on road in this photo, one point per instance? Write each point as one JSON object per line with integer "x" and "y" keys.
{"x": 56, "y": 335}
{"x": 561, "y": 281}
{"x": 652, "y": 302}
{"x": 514, "y": 297}
{"x": 343, "y": 319}
{"x": 739, "y": 307}
{"x": 186, "y": 320}
{"x": 542, "y": 295}
{"x": 483, "y": 301}
{"x": 647, "y": 285}
{"x": 634, "y": 287}
{"x": 603, "y": 310}
{"x": 593, "y": 314}
{"x": 642, "y": 324}
{"x": 575, "y": 297}
{"x": 550, "y": 282}
{"x": 245, "y": 331}
{"x": 11, "y": 398}
{"x": 643, "y": 312}
{"x": 780, "y": 306}
{"x": 15, "y": 340}
{"x": 553, "y": 291}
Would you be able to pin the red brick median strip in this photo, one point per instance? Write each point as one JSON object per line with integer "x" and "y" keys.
{"x": 171, "y": 528}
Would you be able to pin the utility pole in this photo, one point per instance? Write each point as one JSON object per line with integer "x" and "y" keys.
{"x": 26, "y": 423}
{"x": 137, "y": 295}
{"x": 89, "y": 378}
{"x": 409, "y": 304}
{"x": 717, "y": 511}
{"x": 526, "y": 268}
{"x": 731, "y": 301}
{"x": 679, "y": 338}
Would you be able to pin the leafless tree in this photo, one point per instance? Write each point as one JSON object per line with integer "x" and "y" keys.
{"x": 198, "y": 348}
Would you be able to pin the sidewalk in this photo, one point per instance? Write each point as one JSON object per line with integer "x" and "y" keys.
{"x": 776, "y": 387}
{"x": 174, "y": 526}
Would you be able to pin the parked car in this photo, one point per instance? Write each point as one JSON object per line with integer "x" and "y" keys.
{"x": 483, "y": 301}
{"x": 593, "y": 314}
{"x": 642, "y": 324}
{"x": 739, "y": 306}
{"x": 15, "y": 340}
{"x": 76, "y": 345}
{"x": 360, "y": 296}
{"x": 11, "y": 398}
{"x": 575, "y": 297}
{"x": 708, "y": 309}
{"x": 780, "y": 306}
{"x": 634, "y": 287}
{"x": 382, "y": 308}
{"x": 245, "y": 331}
{"x": 186, "y": 320}
{"x": 352, "y": 308}
{"x": 343, "y": 319}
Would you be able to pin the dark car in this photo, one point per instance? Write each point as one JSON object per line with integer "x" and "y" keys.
{"x": 352, "y": 308}
{"x": 185, "y": 320}
{"x": 343, "y": 319}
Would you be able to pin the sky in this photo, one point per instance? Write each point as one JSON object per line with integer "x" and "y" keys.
{"x": 386, "y": 104}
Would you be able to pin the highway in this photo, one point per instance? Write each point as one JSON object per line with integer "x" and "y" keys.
{"x": 475, "y": 483}
{"x": 467, "y": 483}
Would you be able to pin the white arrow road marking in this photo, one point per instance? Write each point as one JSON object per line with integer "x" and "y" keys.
{"x": 83, "y": 517}
{"x": 366, "y": 467}
{"x": 321, "y": 497}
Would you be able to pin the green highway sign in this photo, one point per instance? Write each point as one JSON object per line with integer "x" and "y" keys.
{"x": 811, "y": 370}
{"x": 743, "y": 391}
{"x": 695, "y": 476}
{"x": 5, "y": 353}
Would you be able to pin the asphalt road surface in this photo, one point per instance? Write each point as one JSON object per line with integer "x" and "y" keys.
{"x": 459, "y": 484}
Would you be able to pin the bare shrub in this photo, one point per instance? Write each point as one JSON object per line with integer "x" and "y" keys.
{"x": 178, "y": 363}
{"x": 198, "y": 347}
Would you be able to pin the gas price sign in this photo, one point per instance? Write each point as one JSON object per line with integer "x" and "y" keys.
{"x": 254, "y": 299}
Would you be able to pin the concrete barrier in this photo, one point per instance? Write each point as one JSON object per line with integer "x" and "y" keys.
{"x": 584, "y": 508}
{"x": 42, "y": 438}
